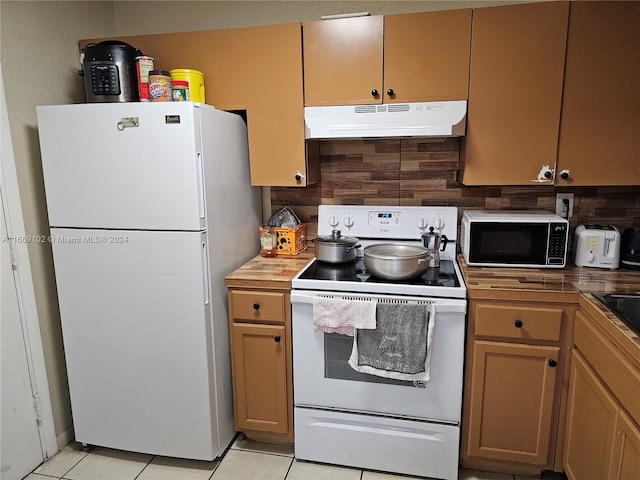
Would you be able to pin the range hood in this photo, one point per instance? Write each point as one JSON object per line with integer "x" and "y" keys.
{"x": 424, "y": 119}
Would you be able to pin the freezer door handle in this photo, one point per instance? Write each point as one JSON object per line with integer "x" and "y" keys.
{"x": 205, "y": 272}
{"x": 201, "y": 199}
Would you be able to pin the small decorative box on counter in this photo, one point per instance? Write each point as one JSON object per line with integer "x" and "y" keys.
{"x": 291, "y": 241}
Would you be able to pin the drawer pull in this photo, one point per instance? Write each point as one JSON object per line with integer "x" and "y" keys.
{"x": 256, "y": 306}
{"x": 276, "y": 339}
{"x": 518, "y": 324}
{"x": 553, "y": 363}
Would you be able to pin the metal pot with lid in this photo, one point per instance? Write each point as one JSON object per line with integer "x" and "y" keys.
{"x": 335, "y": 248}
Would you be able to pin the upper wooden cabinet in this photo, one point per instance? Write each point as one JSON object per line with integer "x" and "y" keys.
{"x": 426, "y": 56}
{"x": 600, "y": 127}
{"x": 217, "y": 54}
{"x": 392, "y": 59}
{"x": 515, "y": 93}
{"x": 343, "y": 61}
{"x": 278, "y": 152}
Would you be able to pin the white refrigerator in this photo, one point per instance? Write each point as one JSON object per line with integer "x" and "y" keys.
{"x": 149, "y": 206}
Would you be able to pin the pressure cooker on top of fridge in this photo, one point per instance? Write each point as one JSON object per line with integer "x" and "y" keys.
{"x": 109, "y": 70}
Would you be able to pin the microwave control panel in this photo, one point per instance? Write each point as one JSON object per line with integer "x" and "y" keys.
{"x": 557, "y": 244}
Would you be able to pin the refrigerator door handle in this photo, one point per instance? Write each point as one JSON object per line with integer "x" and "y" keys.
{"x": 201, "y": 197}
{"x": 205, "y": 272}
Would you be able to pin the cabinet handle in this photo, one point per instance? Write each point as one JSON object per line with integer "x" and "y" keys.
{"x": 564, "y": 175}
{"x": 548, "y": 174}
{"x": 553, "y": 363}
{"x": 518, "y": 324}
{"x": 374, "y": 93}
{"x": 256, "y": 306}
{"x": 276, "y": 339}
{"x": 390, "y": 92}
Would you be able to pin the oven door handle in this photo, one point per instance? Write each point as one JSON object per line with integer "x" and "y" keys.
{"x": 443, "y": 305}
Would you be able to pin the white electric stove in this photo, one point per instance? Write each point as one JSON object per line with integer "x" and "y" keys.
{"x": 354, "y": 419}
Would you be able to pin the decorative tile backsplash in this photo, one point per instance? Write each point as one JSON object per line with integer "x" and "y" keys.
{"x": 425, "y": 172}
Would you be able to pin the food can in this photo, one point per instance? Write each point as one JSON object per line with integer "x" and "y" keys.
{"x": 180, "y": 90}
{"x": 160, "y": 86}
{"x": 144, "y": 65}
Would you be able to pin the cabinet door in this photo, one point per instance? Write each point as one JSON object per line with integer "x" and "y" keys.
{"x": 511, "y": 404}
{"x": 590, "y": 424}
{"x": 515, "y": 89}
{"x": 626, "y": 455}
{"x": 426, "y": 56}
{"x": 600, "y": 128}
{"x": 260, "y": 377}
{"x": 217, "y": 54}
{"x": 275, "y": 107}
{"x": 343, "y": 61}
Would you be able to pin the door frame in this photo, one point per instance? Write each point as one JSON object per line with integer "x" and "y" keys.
{"x": 24, "y": 282}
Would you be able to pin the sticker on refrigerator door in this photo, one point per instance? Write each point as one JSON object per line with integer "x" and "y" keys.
{"x": 127, "y": 122}
{"x": 172, "y": 119}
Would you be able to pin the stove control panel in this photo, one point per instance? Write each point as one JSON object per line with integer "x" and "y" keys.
{"x": 387, "y": 222}
{"x": 383, "y": 218}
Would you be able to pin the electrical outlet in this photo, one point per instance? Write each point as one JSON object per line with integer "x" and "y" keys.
{"x": 562, "y": 209}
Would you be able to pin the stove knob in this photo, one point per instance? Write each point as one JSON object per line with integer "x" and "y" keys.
{"x": 349, "y": 222}
{"x": 422, "y": 223}
{"x": 334, "y": 221}
{"x": 439, "y": 223}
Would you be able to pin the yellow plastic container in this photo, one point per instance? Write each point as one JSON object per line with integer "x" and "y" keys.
{"x": 196, "y": 82}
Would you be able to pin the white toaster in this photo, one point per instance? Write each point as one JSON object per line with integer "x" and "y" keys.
{"x": 597, "y": 246}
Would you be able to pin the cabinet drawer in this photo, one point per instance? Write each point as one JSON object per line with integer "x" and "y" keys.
{"x": 622, "y": 378}
{"x": 522, "y": 322}
{"x": 258, "y": 306}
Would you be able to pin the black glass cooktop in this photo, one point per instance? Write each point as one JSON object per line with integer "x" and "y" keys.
{"x": 354, "y": 271}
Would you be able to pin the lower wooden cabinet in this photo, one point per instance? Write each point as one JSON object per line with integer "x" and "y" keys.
{"x": 513, "y": 384}
{"x": 626, "y": 453}
{"x": 260, "y": 379}
{"x": 591, "y": 423}
{"x": 602, "y": 438}
{"x": 260, "y": 326}
{"x": 512, "y": 401}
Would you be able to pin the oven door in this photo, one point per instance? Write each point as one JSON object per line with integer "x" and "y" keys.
{"x": 324, "y": 379}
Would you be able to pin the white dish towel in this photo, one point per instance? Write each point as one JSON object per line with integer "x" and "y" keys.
{"x": 339, "y": 315}
{"x": 400, "y": 347}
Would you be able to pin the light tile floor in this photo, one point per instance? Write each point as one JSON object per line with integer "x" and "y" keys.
{"x": 245, "y": 460}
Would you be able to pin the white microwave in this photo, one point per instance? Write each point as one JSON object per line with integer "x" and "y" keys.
{"x": 529, "y": 239}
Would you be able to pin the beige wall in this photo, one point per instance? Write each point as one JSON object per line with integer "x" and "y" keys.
{"x": 39, "y": 55}
{"x": 135, "y": 17}
{"x": 38, "y": 50}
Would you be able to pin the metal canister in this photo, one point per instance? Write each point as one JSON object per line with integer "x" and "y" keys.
{"x": 160, "y": 86}
{"x": 144, "y": 65}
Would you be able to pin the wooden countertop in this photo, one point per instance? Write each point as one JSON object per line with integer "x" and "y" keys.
{"x": 567, "y": 285}
{"x": 274, "y": 272}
